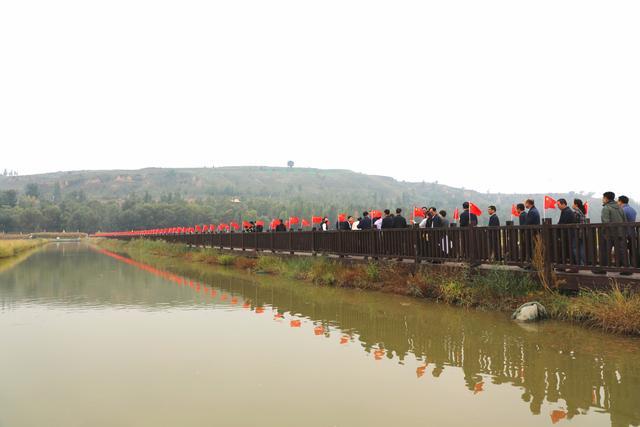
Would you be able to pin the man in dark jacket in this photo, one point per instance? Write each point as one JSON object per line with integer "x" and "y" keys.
{"x": 399, "y": 221}
{"x": 436, "y": 219}
{"x": 494, "y": 221}
{"x": 567, "y": 216}
{"x": 281, "y": 226}
{"x": 522, "y": 214}
{"x": 467, "y": 218}
{"x": 365, "y": 222}
{"x": 387, "y": 220}
{"x": 533, "y": 216}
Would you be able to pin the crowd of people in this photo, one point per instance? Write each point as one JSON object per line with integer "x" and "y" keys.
{"x": 430, "y": 217}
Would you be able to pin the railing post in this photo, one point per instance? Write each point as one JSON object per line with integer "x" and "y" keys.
{"x": 471, "y": 245}
{"x": 416, "y": 240}
{"x": 291, "y": 241}
{"x": 339, "y": 233}
{"x": 271, "y": 241}
{"x": 242, "y": 240}
{"x": 313, "y": 242}
{"x": 546, "y": 244}
{"x": 374, "y": 242}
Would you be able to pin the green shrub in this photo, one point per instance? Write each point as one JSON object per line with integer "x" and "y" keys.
{"x": 454, "y": 292}
{"x": 226, "y": 259}
{"x": 269, "y": 264}
{"x": 372, "y": 271}
{"x": 498, "y": 282}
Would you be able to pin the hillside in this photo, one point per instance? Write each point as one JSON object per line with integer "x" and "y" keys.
{"x": 221, "y": 194}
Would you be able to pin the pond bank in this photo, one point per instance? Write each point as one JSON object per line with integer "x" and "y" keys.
{"x": 11, "y": 248}
{"x": 614, "y": 311}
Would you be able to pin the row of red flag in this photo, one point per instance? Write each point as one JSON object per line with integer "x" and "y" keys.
{"x": 549, "y": 203}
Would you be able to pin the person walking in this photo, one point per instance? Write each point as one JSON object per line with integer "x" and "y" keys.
{"x": 494, "y": 221}
{"x": 612, "y": 237}
{"x": 522, "y": 214}
{"x": 467, "y": 219}
{"x": 445, "y": 220}
{"x": 280, "y": 226}
{"x": 436, "y": 219}
{"x": 631, "y": 216}
{"x": 354, "y": 225}
{"x": 387, "y": 221}
{"x": 629, "y": 212}
{"x": 399, "y": 221}
{"x": 567, "y": 215}
{"x": 580, "y": 214}
{"x": 533, "y": 216}
{"x": 365, "y": 222}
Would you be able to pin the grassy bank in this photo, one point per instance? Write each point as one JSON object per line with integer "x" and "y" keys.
{"x": 10, "y": 248}
{"x": 615, "y": 311}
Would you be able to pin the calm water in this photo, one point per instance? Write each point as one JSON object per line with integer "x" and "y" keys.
{"x": 93, "y": 339}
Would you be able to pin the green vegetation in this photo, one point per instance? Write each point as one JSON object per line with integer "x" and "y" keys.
{"x": 154, "y": 198}
{"x": 10, "y": 248}
{"x": 617, "y": 311}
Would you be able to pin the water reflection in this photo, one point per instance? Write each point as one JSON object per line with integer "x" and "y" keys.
{"x": 560, "y": 370}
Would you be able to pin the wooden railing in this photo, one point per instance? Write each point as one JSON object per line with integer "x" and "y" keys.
{"x": 603, "y": 247}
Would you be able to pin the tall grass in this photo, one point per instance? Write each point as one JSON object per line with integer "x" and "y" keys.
{"x": 9, "y": 248}
{"x": 617, "y": 310}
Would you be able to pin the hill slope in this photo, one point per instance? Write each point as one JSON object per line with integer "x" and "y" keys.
{"x": 263, "y": 182}
{"x": 155, "y": 197}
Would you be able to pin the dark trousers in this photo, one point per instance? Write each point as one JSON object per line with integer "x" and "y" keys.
{"x": 619, "y": 258}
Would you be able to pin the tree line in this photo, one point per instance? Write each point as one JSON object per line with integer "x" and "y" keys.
{"x": 29, "y": 211}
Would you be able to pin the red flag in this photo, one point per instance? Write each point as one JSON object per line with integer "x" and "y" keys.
{"x": 376, "y": 214}
{"x": 246, "y": 224}
{"x": 316, "y": 219}
{"x": 342, "y": 217}
{"x": 305, "y": 223}
{"x": 205, "y": 228}
{"x": 456, "y": 214}
{"x": 222, "y": 227}
{"x": 586, "y": 208}
{"x": 286, "y": 223}
{"x": 514, "y": 210}
{"x": 418, "y": 212}
{"x": 294, "y": 220}
{"x": 549, "y": 202}
{"x": 234, "y": 225}
{"x": 474, "y": 209}
{"x": 260, "y": 222}
{"x": 212, "y": 227}
{"x": 198, "y": 229}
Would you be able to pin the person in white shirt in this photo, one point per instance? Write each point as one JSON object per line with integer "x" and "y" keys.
{"x": 354, "y": 226}
{"x": 378, "y": 224}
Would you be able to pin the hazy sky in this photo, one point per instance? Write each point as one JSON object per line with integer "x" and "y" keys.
{"x": 490, "y": 95}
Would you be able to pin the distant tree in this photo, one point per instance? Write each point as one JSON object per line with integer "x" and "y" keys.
{"x": 5, "y": 173}
{"x": 32, "y": 190}
{"x": 9, "y": 198}
{"x": 147, "y": 197}
{"x": 290, "y": 163}
{"x": 52, "y": 218}
{"x": 57, "y": 192}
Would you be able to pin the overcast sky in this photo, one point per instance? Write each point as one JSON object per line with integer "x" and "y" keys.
{"x": 504, "y": 96}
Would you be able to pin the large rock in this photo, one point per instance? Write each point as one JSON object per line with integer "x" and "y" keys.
{"x": 530, "y": 312}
